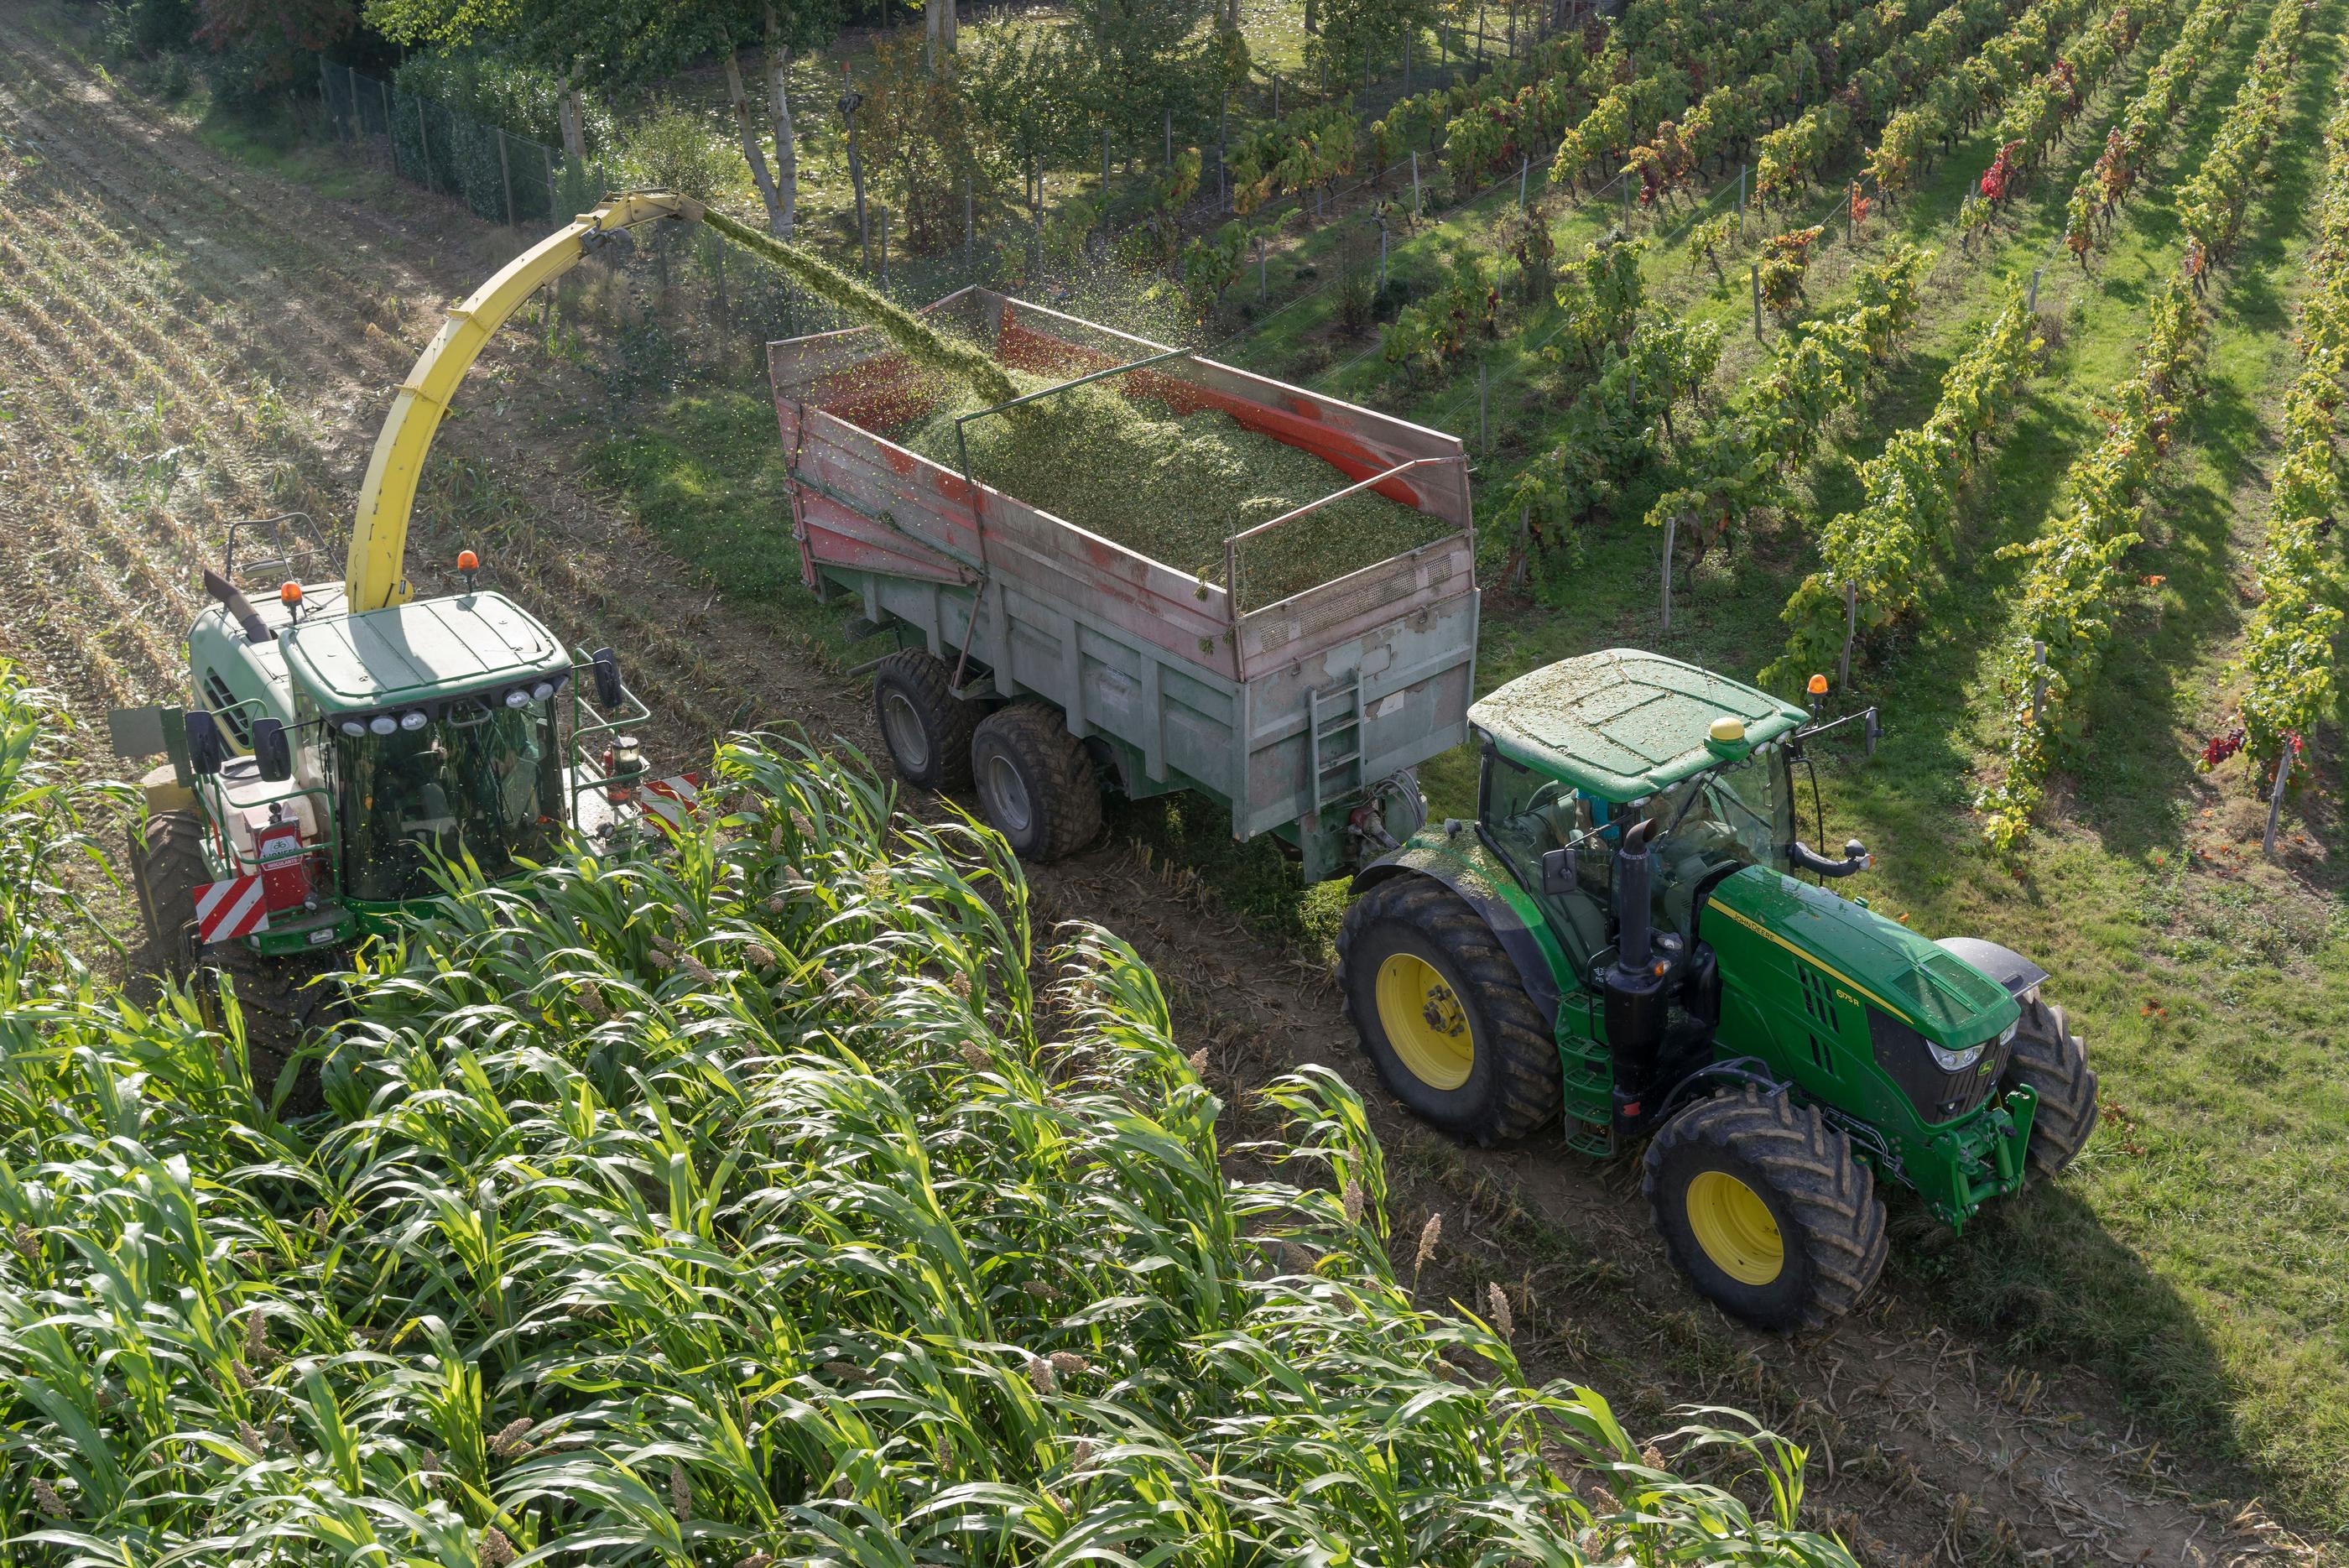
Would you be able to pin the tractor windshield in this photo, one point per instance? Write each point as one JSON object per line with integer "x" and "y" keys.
{"x": 1738, "y": 814}
{"x": 492, "y": 787}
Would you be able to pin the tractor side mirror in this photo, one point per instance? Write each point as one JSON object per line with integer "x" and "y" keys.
{"x": 606, "y": 668}
{"x": 271, "y": 750}
{"x": 1871, "y": 728}
{"x": 1857, "y": 853}
{"x": 1558, "y": 871}
{"x": 205, "y": 747}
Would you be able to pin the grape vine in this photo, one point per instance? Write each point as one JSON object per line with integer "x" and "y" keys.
{"x": 2288, "y": 653}
{"x": 2144, "y": 130}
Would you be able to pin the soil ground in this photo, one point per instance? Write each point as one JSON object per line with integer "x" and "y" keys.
{"x": 190, "y": 342}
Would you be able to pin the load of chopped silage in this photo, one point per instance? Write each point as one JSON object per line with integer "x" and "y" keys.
{"x": 1174, "y": 486}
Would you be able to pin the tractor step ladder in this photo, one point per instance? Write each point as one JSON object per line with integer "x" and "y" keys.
{"x": 1588, "y": 1117}
{"x": 1335, "y": 718}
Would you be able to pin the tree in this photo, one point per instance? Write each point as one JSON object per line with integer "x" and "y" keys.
{"x": 608, "y": 46}
{"x": 273, "y": 39}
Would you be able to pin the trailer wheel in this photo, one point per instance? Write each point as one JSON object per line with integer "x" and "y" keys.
{"x": 1036, "y": 786}
{"x": 1443, "y": 1012}
{"x": 2050, "y": 1058}
{"x": 926, "y": 728}
{"x": 167, "y": 869}
{"x": 1764, "y": 1208}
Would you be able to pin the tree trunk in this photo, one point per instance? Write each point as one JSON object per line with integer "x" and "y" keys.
{"x": 573, "y": 116}
{"x": 1312, "y": 16}
{"x": 779, "y": 110}
{"x": 779, "y": 221}
{"x": 938, "y": 19}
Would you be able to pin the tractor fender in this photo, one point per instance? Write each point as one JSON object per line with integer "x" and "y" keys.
{"x": 1473, "y": 880}
{"x": 2004, "y": 965}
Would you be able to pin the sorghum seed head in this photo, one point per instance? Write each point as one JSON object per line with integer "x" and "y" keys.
{"x": 46, "y": 1497}
{"x": 250, "y": 1435}
{"x": 1039, "y": 1374}
{"x": 760, "y": 954}
{"x": 1652, "y": 1456}
{"x": 975, "y": 1055}
{"x": 681, "y": 1493}
{"x": 1603, "y": 1501}
{"x": 757, "y": 1560}
{"x": 695, "y": 968}
{"x": 26, "y": 1241}
{"x": 1081, "y": 1455}
{"x": 510, "y": 1437}
{"x": 1502, "y": 1318}
{"x": 1068, "y": 1362}
{"x": 1350, "y": 1197}
{"x": 1197, "y": 1062}
{"x": 1430, "y": 1234}
{"x": 496, "y": 1549}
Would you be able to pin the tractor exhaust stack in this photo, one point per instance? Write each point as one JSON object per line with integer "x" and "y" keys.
{"x": 1635, "y": 985}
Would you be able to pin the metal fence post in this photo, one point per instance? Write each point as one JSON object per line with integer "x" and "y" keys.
{"x": 390, "y": 131}
{"x": 884, "y": 250}
{"x": 424, "y": 142}
{"x": 969, "y": 229}
{"x": 1850, "y": 630}
{"x": 326, "y": 93}
{"x": 506, "y": 173}
{"x": 1415, "y": 211}
{"x": 2031, "y": 301}
{"x": 1672, "y": 529}
{"x": 1757, "y": 301}
{"x": 2275, "y": 798}
{"x": 1484, "y": 405}
{"x": 1262, "y": 288}
{"x": 2038, "y": 680}
{"x": 1524, "y": 167}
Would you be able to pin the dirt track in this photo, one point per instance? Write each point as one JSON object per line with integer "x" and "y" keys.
{"x": 188, "y": 342}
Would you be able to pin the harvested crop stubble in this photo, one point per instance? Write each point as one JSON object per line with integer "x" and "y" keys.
{"x": 1174, "y": 486}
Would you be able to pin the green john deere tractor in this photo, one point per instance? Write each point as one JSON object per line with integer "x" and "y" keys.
{"x": 1622, "y": 940}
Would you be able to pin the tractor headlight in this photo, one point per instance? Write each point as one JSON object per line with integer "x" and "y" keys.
{"x": 383, "y": 724}
{"x": 542, "y": 691}
{"x": 518, "y": 697}
{"x": 1957, "y": 1060}
{"x": 354, "y": 727}
{"x": 412, "y": 720}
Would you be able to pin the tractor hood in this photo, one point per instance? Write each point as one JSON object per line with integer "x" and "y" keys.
{"x": 1868, "y": 959}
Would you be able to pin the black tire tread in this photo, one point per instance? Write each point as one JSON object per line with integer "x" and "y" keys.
{"x": 1840, "y": 1221}
{"x": 1530, "y": 1085}
{"x": 930, "y": 680}
{"x": 2054, "y": 1062}
{"x": 1070, "y": 804}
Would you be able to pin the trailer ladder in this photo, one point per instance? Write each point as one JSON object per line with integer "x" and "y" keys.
{"x": 1335, "y": 718}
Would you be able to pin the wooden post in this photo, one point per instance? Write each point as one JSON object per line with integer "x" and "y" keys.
{"x": 970, "y": 230}
{"x": 1672, "y": 529}
{"x": 1414, "y": 184}
{"x": 1757, "y": 301}
{"x": 1524, "y": 167}
{"x": 390, "y": 130}
{"x": 2038, "y": 680}
{"x": 1524, "y": 545}
{"x": 2275, "y": 798}
{"x": 506, "y": 173}
{"x": 1263, "y": 290}
{"x": 1383, "y": 254}
{"x": 1276, "y": 94}
{"x": 424, "y": 142}
{"x": 1484, "y": 405}
{"x": 2031, "y": 301}
{"x": 884, "y": 250}
{"x": 1850, "y": 630}
{"x": 1741, "y": 203}
{"x": 725, "y": 313}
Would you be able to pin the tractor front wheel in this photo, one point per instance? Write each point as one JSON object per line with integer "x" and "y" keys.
{"x": 1443, "y": 1014}
{"x": 1764, "y": 1208}
{"x": 2050, "y": 1058}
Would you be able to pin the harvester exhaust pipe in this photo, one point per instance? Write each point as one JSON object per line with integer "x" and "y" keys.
{"x": 1635, "y": 985}
{"x": 238, "y": 606}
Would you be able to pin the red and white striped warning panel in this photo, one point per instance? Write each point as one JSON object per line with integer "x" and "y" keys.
{"x": 231, "y": 908}
{"x": 670, "y": 800}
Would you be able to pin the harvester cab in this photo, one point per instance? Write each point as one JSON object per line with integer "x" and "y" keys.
{"x": 1623, "y": 941}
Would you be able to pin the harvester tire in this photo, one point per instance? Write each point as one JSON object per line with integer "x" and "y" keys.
{"x": 1443, "y": 1012}
{"x": 1763, "y": 1206}
{"x": 1035, "y": 784}
{"x": 2050, "y": 1058}
{"x": 167, "y": 869}
{"x": 926, "y": 727}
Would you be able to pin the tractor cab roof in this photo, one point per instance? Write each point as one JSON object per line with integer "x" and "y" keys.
{"x": 420, "y": 653}
{"x": 1621, "y": 724}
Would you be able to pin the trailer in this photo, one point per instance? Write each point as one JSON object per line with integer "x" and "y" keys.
{"x": 1039, "y": 662}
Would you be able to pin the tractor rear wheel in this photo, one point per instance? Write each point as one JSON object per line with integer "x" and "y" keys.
{"x": 1444, "y": 1013}
{"x": 167, "y": 869}
{"x": 1035, "y": 783}
{"x": 1764, "y": 1208}
{"x": 926, "y": 726}
{"x": 2050, "y": 1058}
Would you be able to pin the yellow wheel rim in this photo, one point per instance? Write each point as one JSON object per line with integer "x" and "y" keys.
{"x": 1424, "y": 1022}
{"x": 1734, "y": 1228}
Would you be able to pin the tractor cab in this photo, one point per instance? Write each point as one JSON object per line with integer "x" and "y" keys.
{"x": 1575, "y": 752}
{"x": 331, "y": 759}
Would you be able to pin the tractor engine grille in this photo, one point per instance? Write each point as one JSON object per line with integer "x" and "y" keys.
{"x": 1906, "y": 1058}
